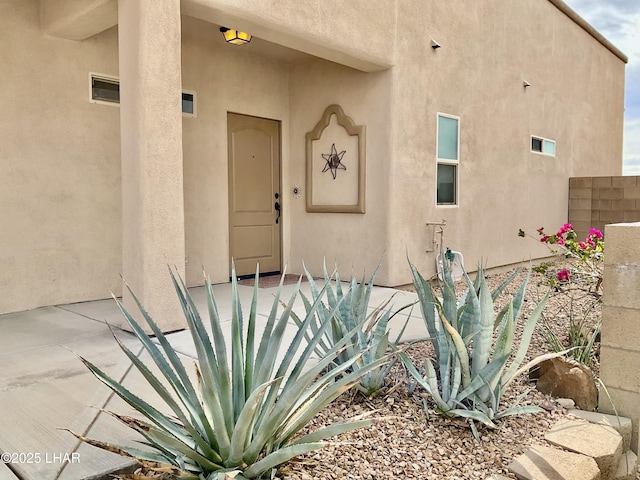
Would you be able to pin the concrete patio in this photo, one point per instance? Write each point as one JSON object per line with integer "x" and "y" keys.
{"x": 44, "y": 387}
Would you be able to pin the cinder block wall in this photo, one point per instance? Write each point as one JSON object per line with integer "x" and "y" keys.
{"x": 597, "y": 201}
{"x": 620, "y": 347}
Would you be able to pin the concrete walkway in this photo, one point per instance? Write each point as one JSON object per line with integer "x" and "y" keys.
{"x": 44, "y": 387}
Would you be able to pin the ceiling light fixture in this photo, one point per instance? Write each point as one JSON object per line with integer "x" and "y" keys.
{"x": 235, "y": 37}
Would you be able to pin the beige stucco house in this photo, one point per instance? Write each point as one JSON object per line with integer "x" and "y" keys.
{"x": 371, "y": 121}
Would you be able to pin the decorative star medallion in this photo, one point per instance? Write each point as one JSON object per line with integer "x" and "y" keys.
{"x": 334, "y": 160}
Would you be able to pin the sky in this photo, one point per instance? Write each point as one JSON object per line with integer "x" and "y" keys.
{"x": 619, "y": 22}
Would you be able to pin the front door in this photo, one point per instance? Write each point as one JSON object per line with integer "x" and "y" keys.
{"x": 254, "y": 193}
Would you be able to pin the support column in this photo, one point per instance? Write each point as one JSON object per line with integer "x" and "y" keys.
{"x": 151, "y": 147}
{"x": 620, "y": 346}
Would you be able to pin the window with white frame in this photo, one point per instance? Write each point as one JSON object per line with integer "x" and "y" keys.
{"x": 448, "y": 143}
{"x": 543, "y": 146}
{"x": 106, "y": 89}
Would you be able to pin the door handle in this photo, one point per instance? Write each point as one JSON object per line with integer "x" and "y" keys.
{"x": 277, "y": 207}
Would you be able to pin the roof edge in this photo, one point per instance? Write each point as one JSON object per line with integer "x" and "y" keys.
{"x": 586, "y": 26}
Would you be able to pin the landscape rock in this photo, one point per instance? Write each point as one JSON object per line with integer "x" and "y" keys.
{"x": 621, "y": 424}
{"x": 560, "y": 377}
{"x": 545, "y": 463}
{"x": 601, "y": 442}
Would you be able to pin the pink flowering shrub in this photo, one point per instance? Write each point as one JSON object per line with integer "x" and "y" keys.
{"x": 577, "y": 284}
{"x": 588, "y": 254}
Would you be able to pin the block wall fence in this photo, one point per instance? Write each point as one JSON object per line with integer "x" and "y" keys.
{"x": 620, "y": 337}
{"x": 597, "y": 201}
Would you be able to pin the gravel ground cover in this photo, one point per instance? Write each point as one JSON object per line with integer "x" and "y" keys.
{"x": 404, "y": 443}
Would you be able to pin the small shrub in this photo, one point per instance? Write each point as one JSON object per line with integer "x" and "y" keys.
{"x": 347, "y": 311}
{"x": 577, "y": 290}
{"x": 243, "y": 414}
{"x": 471, "y": 370}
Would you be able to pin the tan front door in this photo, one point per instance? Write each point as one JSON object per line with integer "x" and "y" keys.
{"x": 254, "y": 193}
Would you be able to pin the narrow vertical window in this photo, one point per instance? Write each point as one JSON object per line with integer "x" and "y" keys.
{"x": 448, "y": 143}
{"x": 189, "y": 103}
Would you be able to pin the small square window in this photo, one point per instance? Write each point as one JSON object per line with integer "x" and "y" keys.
{"x": 105, "y": 89}
{"x": 543, "y": 145}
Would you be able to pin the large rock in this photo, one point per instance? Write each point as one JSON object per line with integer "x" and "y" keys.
{"x": 601, "y": 442}
{"x": 560, "y": 377}
{"x": 544, "y": 463}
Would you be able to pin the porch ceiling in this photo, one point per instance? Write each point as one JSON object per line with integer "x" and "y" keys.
{"x": 81, "y": 19}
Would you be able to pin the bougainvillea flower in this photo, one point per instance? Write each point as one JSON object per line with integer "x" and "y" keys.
{"x": 595, "y": 232}
{"x": 544, "y": 239}
{"x": 582, "y": 245}
{"x": 563, "y": 275}
{"x": 540, "y": 230}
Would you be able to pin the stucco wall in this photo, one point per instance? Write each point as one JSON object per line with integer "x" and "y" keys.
{"x": 60, "y": 187}
{"x": 355, "y": 241}
{"x": 60, "y": 239}
{"x": 488, "y": 50}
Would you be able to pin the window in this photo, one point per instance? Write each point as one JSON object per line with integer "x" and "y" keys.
{"x": 543, "y": 145}
{"x": 106, "y": 89}
{"x": 189, "y": 103}
{"x": 448, "y": 142}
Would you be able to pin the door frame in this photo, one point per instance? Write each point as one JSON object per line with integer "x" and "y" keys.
{"x": 229, "y": 186}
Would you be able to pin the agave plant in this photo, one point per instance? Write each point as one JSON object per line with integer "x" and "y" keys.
{"x": 347, "y": 312}
{"x": 473, "y": 346}
{"x": 244, "y": 414}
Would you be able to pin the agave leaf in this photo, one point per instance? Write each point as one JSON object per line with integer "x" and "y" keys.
{"x": 449, "y": 300}
{"x": 179, "y": 380}
{"x": 151, "y": 461}
{"x": 249, "y": 362}
{"x": 527, "y": 333}
{"x": 243, "y": 426}
{"x": 160, "y": 439}
{"x": 532, "y": 363}
{"x": 469, "y": 312}
{"x": 504, "y": 342}
{"x": 332, "y": 430}
{"x": 484, "y": 377}
{"x": 518, "y": 411}
{"x": 503, "y": 285}
{"x": 169, "y": 400}
{"x": 279, "y": 457}
{"x": 154, "y": 415}
{"x": 484, "y": 328}
{"x": 518, "y": 299}
{"x": 239, "y": 377}
{"x": 472, "y": 415}
{"x": 273, "y": 335}
{"x": 302, "y": 417}
{"x": 461, "y": 351}
{"x": 429, "y": 383}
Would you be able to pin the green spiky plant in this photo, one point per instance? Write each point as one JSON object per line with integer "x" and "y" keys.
{"x": 347, "y": 311}
{"x": 473, "y": 346}
{"x": 244, "y": 414}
